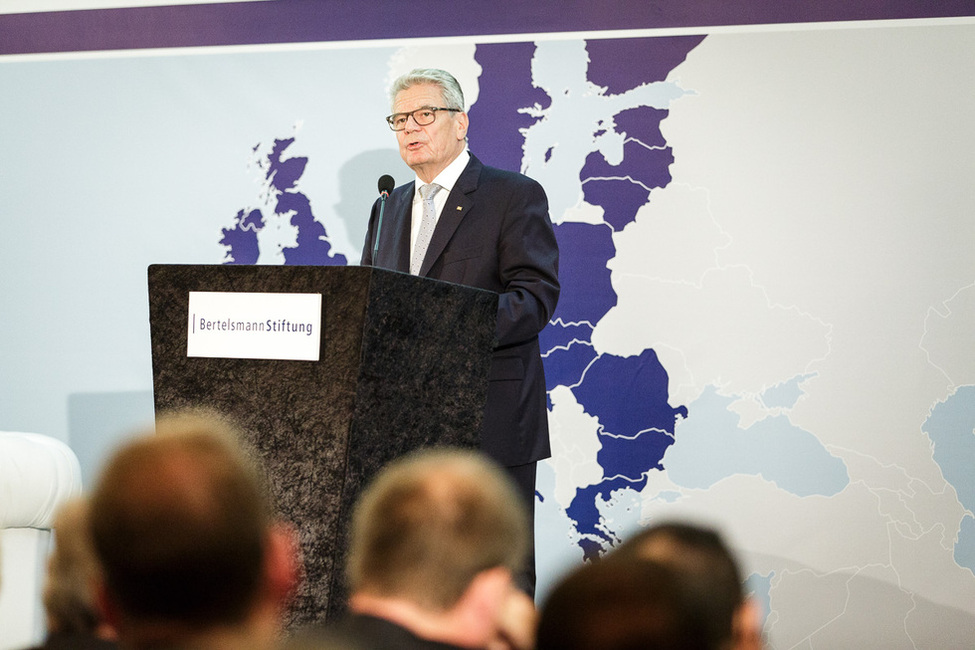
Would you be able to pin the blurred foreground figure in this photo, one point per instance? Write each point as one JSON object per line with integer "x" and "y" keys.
{"x": 625, "y": 605}
{"x": 435, "y": 542}
{"x": 73, "y": 619}
{"x": 672, "y": 587}
{"x": 709, "y": 569}
{"x": 190, "y": 554}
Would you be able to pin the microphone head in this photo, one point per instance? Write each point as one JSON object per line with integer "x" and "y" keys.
{"x": 386, "y": 184}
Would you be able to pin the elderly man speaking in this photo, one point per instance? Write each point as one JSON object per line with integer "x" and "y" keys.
{"x": 465, "y": 222}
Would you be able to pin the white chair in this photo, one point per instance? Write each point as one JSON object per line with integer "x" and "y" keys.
{"x": 37, "y": 474}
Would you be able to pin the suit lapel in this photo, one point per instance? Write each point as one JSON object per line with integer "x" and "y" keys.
{"x": 394, "y": 245}
{"x": 459, "y": 202}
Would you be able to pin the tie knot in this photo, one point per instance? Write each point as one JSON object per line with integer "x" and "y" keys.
{"x": 427, "y": 191}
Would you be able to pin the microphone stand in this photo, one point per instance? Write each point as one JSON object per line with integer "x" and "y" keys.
{"x": 379, "y": 225}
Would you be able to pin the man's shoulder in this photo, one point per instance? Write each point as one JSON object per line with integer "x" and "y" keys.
{"x": 76, "y": 642}
{"x": 488, "y": 175}
{"x": 406, "y": 189}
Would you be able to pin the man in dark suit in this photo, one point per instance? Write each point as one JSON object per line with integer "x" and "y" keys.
{"x": 486, "y": 228}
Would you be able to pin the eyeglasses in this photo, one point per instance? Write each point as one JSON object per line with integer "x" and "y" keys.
{"x": 423, "y": 116}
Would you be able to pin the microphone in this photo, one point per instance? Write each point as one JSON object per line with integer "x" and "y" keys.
{"x": 386, "y": 185}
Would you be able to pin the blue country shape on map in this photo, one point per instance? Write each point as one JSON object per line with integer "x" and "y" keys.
{"x": 623, "y": 196}
{"x": 630, "y": 399}
{"x": 642, "y": 124}
{"x": 628, "y": 396}
{"x": 566, "y": 335}
{"x": 587, "y": 295}
{"x": 647, "y": 158}
{"x": 241, "y": 238}
{"x": 951, "y": 428}
{"x": 498, "y": 124}
{"x": 623, "y": 189}
{"x": 497, "y": 120}
{"x": 566, "y": 366}
{"x": 312, "y": 245}
{"x": 621, "y": 64}
{"x": 594, "y": 537}
{"x": 587, "y": 288}
{"x": 637, "y": 424}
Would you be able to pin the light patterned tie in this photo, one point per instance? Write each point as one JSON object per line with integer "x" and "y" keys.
{"x": 427, "y": 224}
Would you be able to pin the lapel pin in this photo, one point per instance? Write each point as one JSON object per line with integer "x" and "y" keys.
{"x": 459, "y": 208}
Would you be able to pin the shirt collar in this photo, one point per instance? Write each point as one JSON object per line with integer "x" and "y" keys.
{"x": 448, "y": 177}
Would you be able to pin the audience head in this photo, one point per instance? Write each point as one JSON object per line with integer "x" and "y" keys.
{"x": 182, "y": 525}
{"x": 430, "y": 523}
{"x": 673, "y": 585}
{"x": 701, "y": 556}
{"x": 72, "y": 572}
{"x": 624, "y": 605}
{"x": 438, "y": 531}
{"x": 711, "y": 574}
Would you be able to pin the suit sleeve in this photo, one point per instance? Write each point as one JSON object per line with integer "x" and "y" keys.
{"x": 528, "y": 255}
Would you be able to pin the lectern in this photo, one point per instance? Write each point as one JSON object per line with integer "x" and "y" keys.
{"x": 402, "y": 363}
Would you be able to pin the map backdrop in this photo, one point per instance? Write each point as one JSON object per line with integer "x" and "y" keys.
{"x": 767, "y": 321}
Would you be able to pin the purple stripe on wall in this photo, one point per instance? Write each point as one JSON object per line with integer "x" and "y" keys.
{"x": 296, "y": 21}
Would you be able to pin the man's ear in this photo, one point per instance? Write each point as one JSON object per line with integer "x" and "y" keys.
{"x": 106, "y": 604}
{"x": 462, "y": 123}
{"x": 747, "y": 626}
{"x": 517, "y": 624}
{"x": 282, "y": 564}
{"x": 486, "y": 596}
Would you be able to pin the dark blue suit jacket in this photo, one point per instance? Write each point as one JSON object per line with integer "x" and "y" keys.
{"x": 494, "y": 233}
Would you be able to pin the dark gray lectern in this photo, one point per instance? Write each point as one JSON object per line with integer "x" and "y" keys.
{"x": 403, "y": 364}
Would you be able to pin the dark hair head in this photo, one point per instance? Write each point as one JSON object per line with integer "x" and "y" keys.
{"x": 705, "y": 563}
{"x": 180, "y": 521}
{"x": 624, "y": 605}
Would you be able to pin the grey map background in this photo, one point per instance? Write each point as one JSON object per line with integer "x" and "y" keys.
{"x": 805, "y": 279}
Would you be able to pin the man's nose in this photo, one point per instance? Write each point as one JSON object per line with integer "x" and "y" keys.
{"x": 414, "y": 127}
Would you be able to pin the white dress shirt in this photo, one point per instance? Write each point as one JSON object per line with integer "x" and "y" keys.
{"x": 446, "y": 180}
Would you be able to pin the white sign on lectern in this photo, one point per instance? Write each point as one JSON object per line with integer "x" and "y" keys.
{"x": 236, "y": 325}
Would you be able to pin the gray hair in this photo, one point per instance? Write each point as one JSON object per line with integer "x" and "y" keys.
{"x": 453, "y": 96}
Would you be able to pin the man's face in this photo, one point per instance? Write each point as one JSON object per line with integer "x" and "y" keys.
{"x": 429, "y": 149}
